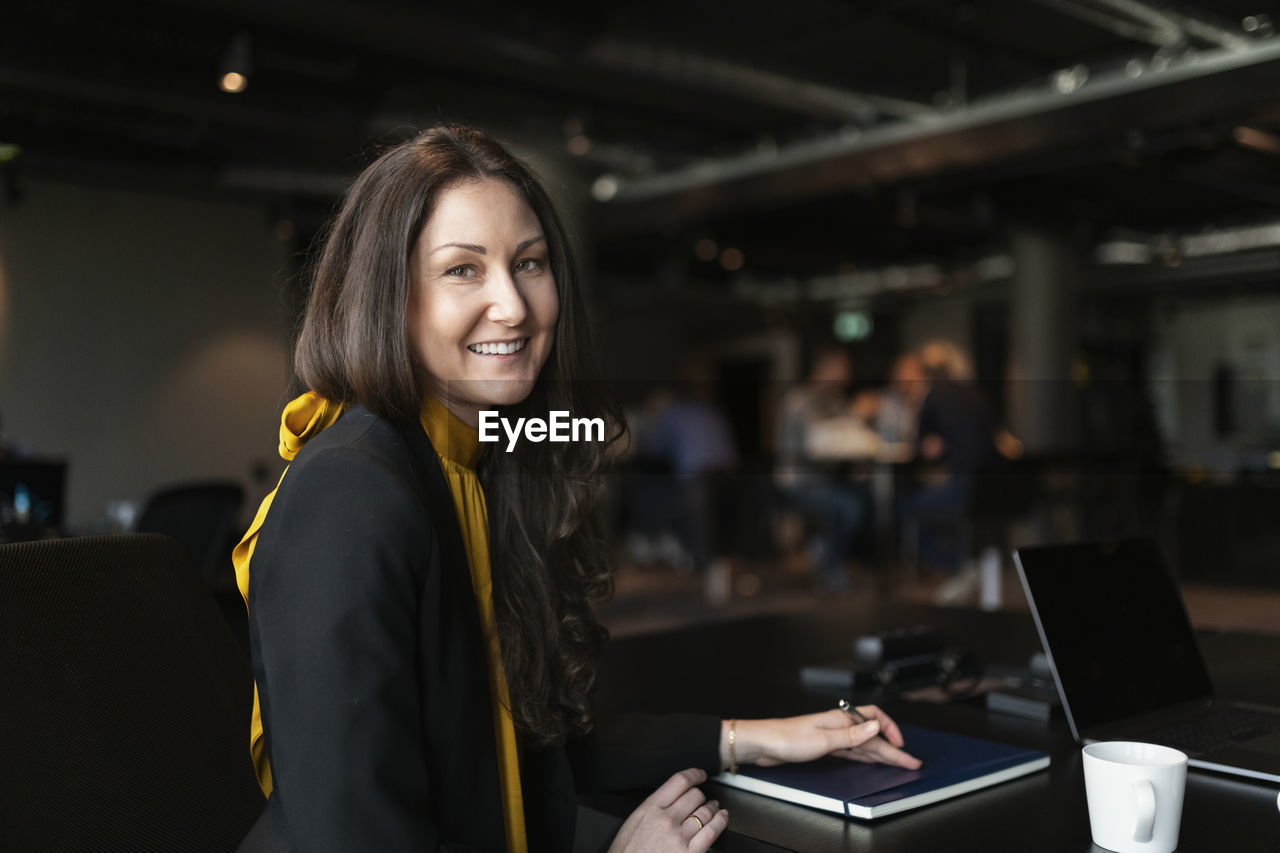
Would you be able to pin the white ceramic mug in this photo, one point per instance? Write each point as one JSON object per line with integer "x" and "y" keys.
{"x": 1135, "y": 795}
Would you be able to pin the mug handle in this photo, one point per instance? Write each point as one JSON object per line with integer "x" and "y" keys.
{"x": 1146, "y": 810}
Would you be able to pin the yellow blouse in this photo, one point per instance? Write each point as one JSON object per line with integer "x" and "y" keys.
{"x": 458, "y": 448}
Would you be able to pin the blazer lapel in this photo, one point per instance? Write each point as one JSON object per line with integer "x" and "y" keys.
{"x": 444, "y": 515}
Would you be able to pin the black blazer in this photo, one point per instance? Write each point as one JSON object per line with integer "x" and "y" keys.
{"x": 369, "y": 660}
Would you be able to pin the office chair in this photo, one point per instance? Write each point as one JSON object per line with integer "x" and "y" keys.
{"x": 124, "y": 702}
{"x": 203, "y": 517}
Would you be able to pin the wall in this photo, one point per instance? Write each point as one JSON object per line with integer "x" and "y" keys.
{"x": 1194, "y": 341}
{"x": 142, "y": 336}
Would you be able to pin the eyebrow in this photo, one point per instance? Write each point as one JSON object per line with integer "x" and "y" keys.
{"x": 481, "y": 250}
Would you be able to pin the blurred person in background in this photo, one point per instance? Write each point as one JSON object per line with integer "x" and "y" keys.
{"x": 956, "y": 425}
{"x": 897, "y": 410}
{"x": 813, "y": 413}
{"x": 691, "y": 440}
{"x": 955, "y": 433}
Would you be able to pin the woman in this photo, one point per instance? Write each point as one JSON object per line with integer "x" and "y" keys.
{"x": 423, "y": 644}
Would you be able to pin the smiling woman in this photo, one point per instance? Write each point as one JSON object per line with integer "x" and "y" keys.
{"x": 423, "y": 643}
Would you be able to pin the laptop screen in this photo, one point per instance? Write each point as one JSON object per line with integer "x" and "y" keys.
{"x": 1113, "y": 622}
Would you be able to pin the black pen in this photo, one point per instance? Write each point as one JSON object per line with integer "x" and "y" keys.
{"x": 852, "y": 713}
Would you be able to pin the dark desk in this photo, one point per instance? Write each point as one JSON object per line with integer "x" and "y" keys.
{"x": 750, "y": 668}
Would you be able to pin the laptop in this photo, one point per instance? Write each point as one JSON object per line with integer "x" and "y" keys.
{"x": 1124, "y": 656}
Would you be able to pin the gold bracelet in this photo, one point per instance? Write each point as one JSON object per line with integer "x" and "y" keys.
{"x": 733, "y": 751}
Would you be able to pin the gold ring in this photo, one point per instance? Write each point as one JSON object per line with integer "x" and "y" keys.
{"x": 698, "y": 819}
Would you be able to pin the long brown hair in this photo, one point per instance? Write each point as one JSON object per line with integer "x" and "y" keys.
{"x": 548, "y": 562}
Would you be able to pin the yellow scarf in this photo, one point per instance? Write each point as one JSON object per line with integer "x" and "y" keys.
{"x": 458, "y": 448}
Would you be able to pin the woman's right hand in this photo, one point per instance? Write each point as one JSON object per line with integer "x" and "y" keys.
{"x": 677, "y": 816}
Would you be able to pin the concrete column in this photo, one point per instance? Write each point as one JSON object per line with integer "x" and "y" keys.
{"x": 1044, "y": 337}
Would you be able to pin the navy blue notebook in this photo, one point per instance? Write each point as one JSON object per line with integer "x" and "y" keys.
{"x": 952, "y": 765}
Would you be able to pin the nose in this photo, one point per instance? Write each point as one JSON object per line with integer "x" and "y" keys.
{"x": 506, "y": 303}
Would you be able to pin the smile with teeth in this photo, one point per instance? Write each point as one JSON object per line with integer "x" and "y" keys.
{"x": 499, "y": 347}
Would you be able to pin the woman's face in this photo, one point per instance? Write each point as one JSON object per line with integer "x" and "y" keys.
{"x": 482, "y": 300}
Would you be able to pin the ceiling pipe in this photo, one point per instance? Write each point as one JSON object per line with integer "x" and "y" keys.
{"x": 765, "y": 87}
{"x": 1156, "y": 252}
{"x": 1159, "y": 31}
{"x": 1160, "y": 26}
{"x": 1191, "y": 25}
{"x": 1209, "y": 84}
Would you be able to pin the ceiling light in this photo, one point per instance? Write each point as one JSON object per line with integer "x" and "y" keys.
{"x": 1068, "y": 80}
{"x": 234, "y": 72}
{"x": 233, "y": 82}
{"x": 1258, "y": 25}
{"x": 604, "y": 188}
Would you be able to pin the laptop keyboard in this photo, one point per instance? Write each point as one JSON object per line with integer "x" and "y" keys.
{"x": 1216, "y": 730}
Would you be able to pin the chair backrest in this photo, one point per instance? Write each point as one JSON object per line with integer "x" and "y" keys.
{"x": 124, "y": 702}
{"x": 203, "y": 517}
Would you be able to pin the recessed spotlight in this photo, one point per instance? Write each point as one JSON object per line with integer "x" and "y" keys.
{"x": 234, "y": 71}
{"x": 233, "y": 82}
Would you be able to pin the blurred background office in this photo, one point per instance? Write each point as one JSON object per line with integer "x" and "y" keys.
{"x": 1043, "y": 237}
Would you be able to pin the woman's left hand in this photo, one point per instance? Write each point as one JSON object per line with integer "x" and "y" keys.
{"x": 794, "y": 739}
